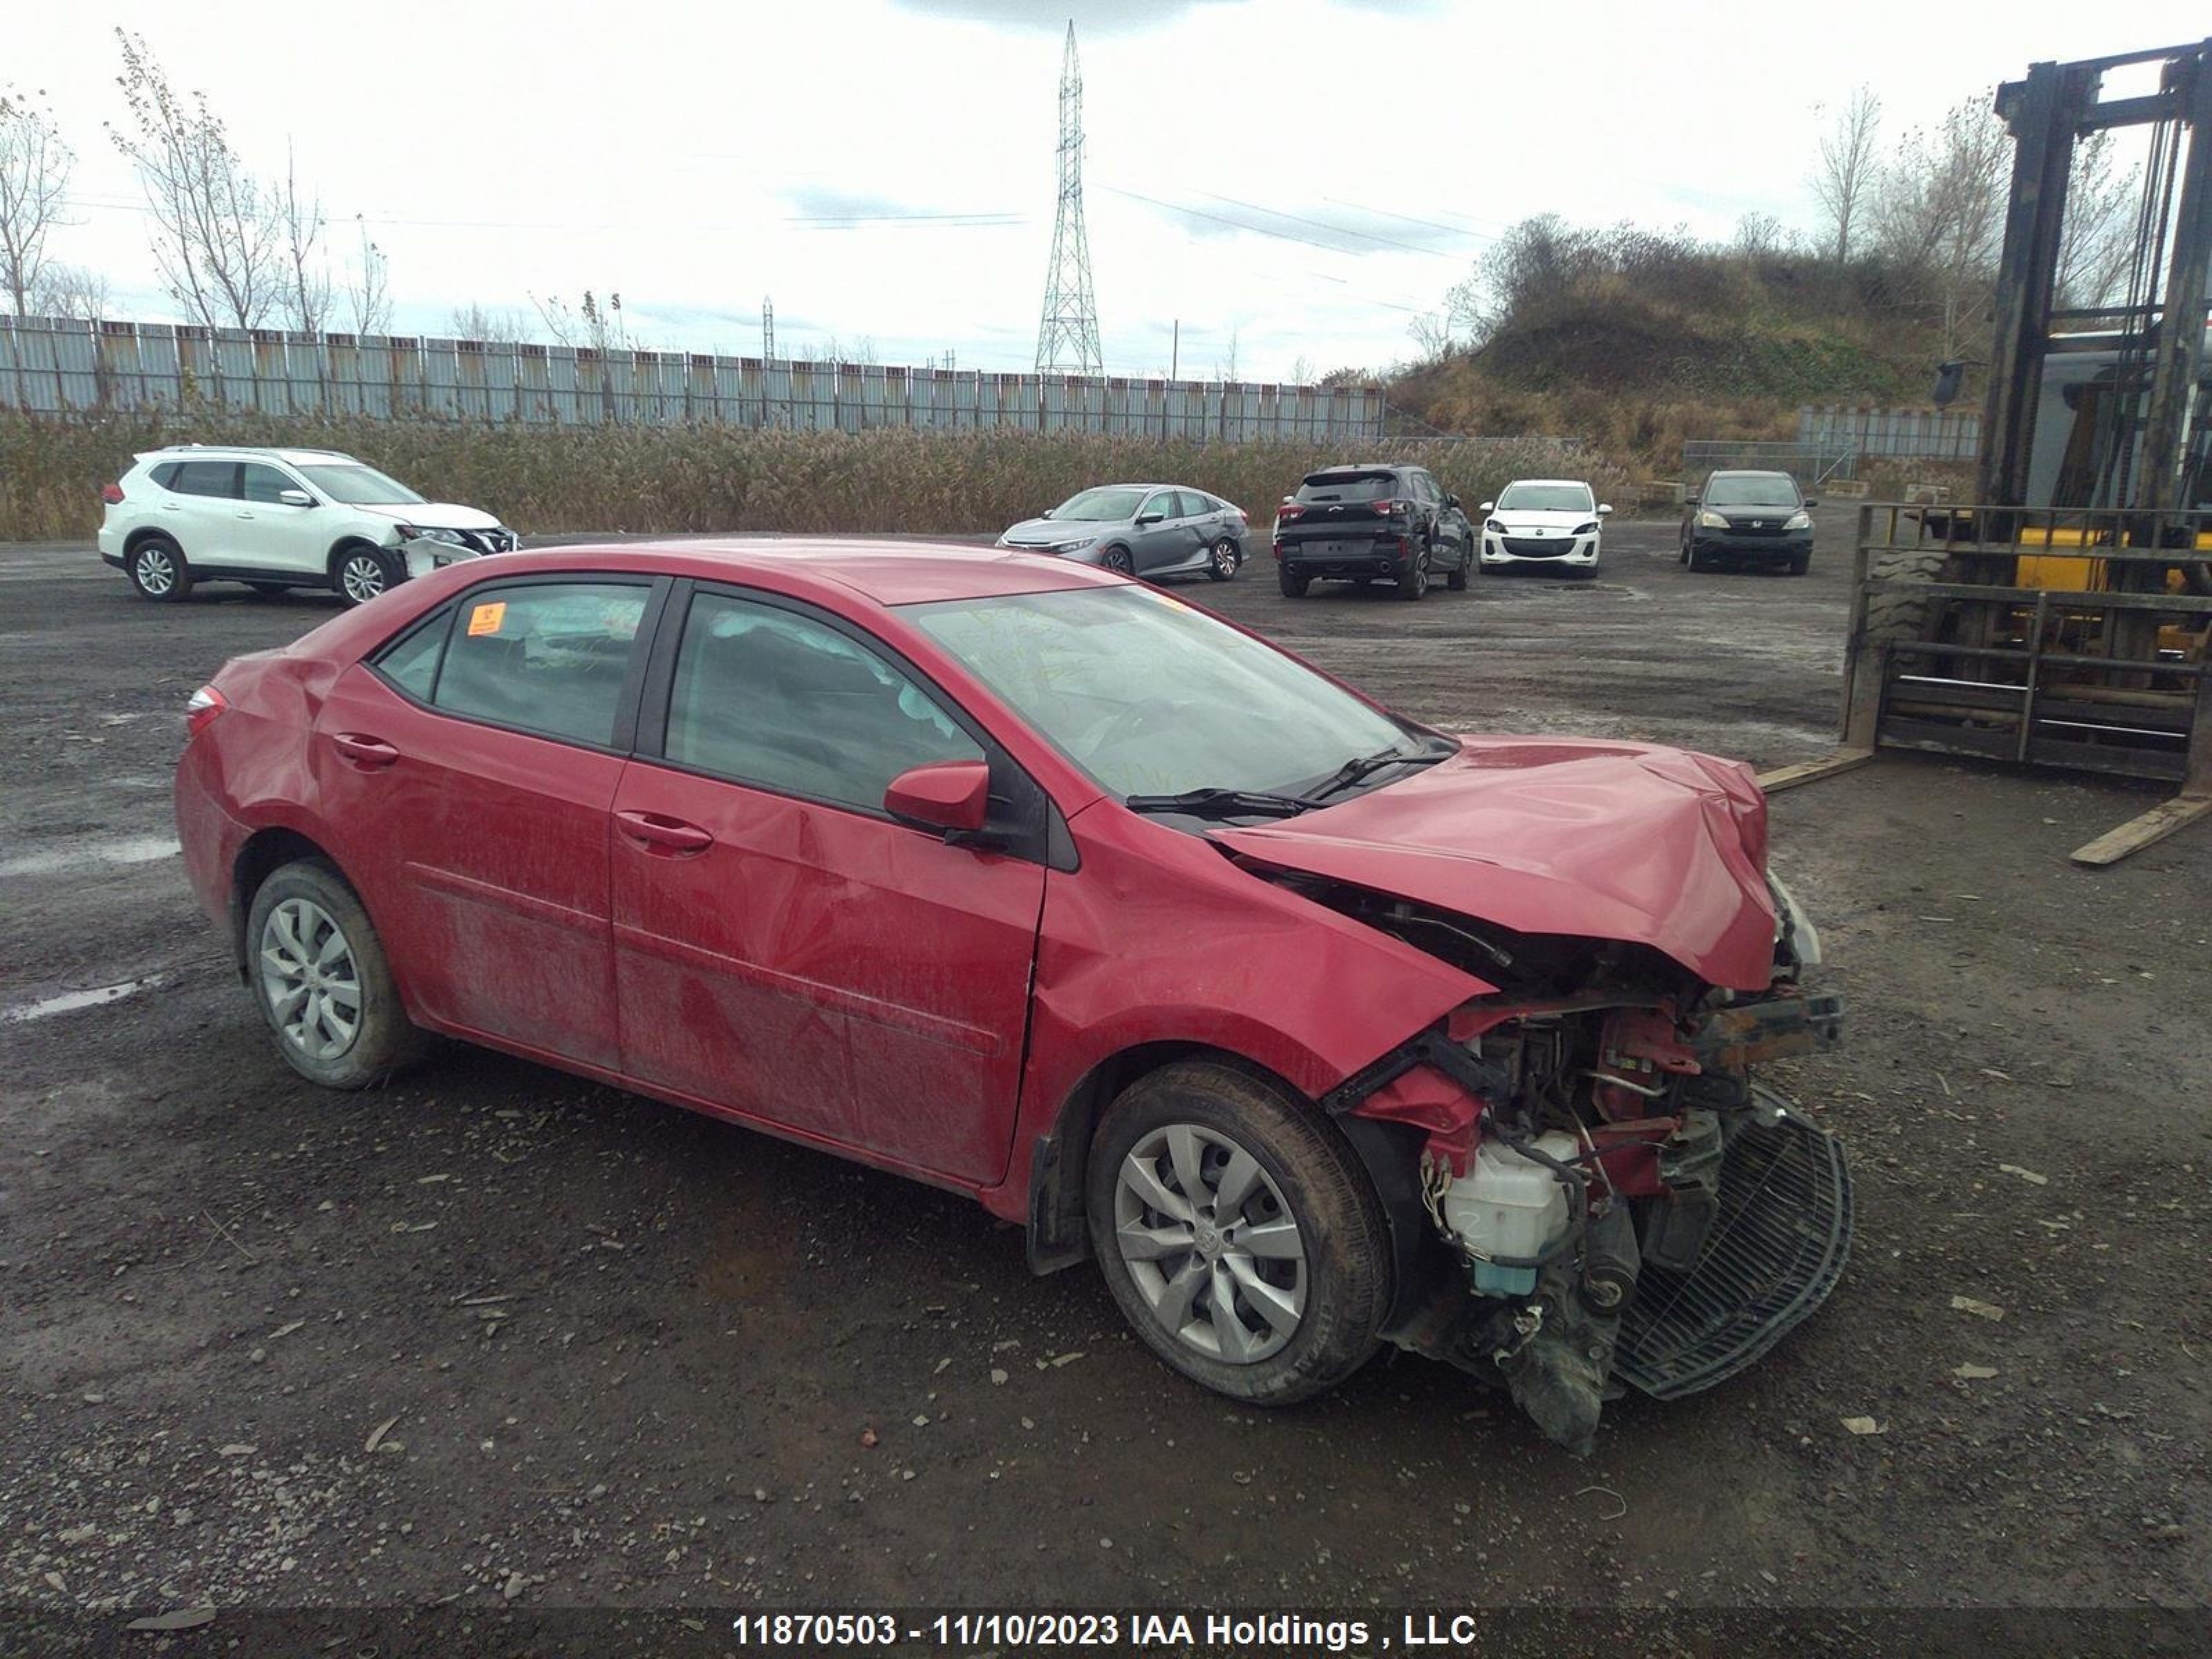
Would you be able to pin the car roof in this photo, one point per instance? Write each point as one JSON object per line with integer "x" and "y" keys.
{"x": 225, "y": 452}
{"x": 1087, "y": 488}
{"x": 1364, "y": 466}
{"x": 1572, "y": 483}
{"x": 1752, "y": 472}
{"x": 884, "y": 572}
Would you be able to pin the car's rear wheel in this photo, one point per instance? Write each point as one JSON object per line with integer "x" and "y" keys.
{"x": 1413, "y": 580}
{"x": 1456, "y": 580}
{"x": 158, "y": 570}
{"x": 365, "y": 573}
{"x": 1118, "y": 559}
{"x": 1238, "y": 1233}
{"x": 320, "y": 972}
{"x": 1293, "y": 586}
{"x": 1221, "y": 559}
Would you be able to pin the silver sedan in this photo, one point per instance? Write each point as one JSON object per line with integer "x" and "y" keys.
{"x": 1141, "y": 529}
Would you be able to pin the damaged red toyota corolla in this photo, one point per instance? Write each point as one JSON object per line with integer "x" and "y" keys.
{"x": 1317, "y": 1029}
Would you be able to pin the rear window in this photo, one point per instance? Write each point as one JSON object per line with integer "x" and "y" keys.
{"x": 1350, "y": 487}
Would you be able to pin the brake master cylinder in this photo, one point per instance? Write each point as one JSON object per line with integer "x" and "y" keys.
{"x": 1508, "y": 1210}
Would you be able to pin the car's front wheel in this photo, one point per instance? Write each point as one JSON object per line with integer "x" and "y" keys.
{"x": 1221, "y": 560}
{"x": 320, "y": 975}
{"x": 158, "y": 570}
{"x": 1238, "y": 1232}
{"x": 1117, "y": 559}
{"x": 365, "y": 573}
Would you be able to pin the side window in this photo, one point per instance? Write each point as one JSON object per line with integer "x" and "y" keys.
{"x": 412, "y": 664}
{"x": 166, "y": 474}
{"x": 763, "y": 697}
{"x": 1194, "y": 505}
{"x": 217, "y": 478}
{"x": 547, "y": 658}
{"x": 264, "y": 483}
{"x": 1162, "y": 501}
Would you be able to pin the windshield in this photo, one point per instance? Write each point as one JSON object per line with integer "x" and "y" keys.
{"x": 1546, "y": 498}
{"x": 1752, "y": 489}
{"x": 359, "y": 486}
{"x": 1349, "y": 486}
{"x": 1153, "y": 696}
{"x": 1099, "y": 505}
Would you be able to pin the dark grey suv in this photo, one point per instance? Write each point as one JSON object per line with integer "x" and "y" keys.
{"x": 1380, "y": 522}
{"x": 1748, "y": 518}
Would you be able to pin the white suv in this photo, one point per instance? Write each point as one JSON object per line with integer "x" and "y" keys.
{"x": 277, "y": 518}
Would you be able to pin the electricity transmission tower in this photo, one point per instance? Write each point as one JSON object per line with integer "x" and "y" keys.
{"x": 1067, "y": 337}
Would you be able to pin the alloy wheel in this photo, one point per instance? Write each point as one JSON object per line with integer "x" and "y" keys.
{"x": 1117, "y": 559}
{"x": 157, "y": 571}
{"x": 363, "y": 577}
{"x": 311, "y": 979}
{"x": 1210, "y": 1244}
{"x": 1224, "y": 559}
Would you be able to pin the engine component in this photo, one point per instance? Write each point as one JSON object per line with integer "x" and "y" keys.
{"x": 1559, "y": 1374}
{"x": 1508, "y": 1211}
{"x": 1676, "y": 1225}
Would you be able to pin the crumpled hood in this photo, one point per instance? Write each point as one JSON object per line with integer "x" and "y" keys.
{"x": 436, "y": 515}
{"x": 1619, "y": 841}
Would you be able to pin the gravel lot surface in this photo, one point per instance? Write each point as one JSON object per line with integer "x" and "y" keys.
{"x": 502, "y": 1341}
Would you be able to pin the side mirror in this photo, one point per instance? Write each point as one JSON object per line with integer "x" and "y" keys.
{"x": 1602, "y": 510}
{"x": 1689, "y": 501}
{"x": 1047, "y": 513}
{"x": 1809, "y": 504}
{"x": 1486, "y": 506}
{"x": 951, "y": 796}
{"x": 1451, "y": 501}
{"x": 1149, "y": 518}
{"x": 295, "y": 498}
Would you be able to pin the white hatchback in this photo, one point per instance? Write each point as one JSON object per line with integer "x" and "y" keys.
{"x": 281, "y": 518}
{"x": 1553, "y": 521}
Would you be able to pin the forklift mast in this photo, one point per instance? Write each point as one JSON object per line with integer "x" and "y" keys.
{"x": 2158, "y": 326}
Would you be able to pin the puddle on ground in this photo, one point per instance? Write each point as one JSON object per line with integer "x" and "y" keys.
{"x": 87, "y": 854}
{"x": 70, "y": 1001}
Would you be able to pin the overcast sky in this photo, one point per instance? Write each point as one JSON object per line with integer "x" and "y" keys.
{"x": 1303, "y": 175}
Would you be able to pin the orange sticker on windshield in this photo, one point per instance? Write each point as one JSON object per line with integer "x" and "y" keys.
{"x": 486, "y": 618}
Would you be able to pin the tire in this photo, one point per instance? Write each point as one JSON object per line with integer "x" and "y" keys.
{"x": 1902, "y": 613}
{"x": 1801, "y": 563}
{"x": 1328, "y": 1303}
{"x": 1685, "y": 557}
{"x": 292, "y": 962}
{"x": 1456, "y": 580}
{"x": 1117, "y": 559}
{"x": 1221, "y": 559}
{"x": 1294, "y": 587}
{"x": 157, "y": 569}
{"x": 1413, "y": 580}
{"x": 361, "y": 573}
{"x": 1695, "y": 560}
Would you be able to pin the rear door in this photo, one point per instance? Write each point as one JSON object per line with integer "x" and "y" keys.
{"x": 465, "y": 775}
{"x": 785, "y": 950}
{"x": 201, "y": 511}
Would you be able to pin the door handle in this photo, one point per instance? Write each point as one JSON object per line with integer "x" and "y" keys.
{"x": 245, "y": 515}
{"x": 657, "y": 829}
{"x": 369, "y": 754}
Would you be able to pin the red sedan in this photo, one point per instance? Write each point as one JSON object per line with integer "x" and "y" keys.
{"x": 1317, "y": 1028}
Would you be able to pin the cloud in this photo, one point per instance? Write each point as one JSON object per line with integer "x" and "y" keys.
{"x": 1335, "y": 226}
{"x": 1090, "y": 16}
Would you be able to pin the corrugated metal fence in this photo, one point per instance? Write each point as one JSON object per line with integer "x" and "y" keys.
{"x": 60, "y": 366}
{"x": 1934, "y": 435}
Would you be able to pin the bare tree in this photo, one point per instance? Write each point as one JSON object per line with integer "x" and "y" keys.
{"x": 2096, "y": 239}
{"x": 1301, "y": 370}
{"x": 306, "y": 302}
{"x": 1938, "y": 217}
{"x": 34, "y": 171}
{"x": 70, "y": 291}
{"x": 1225, "y": 370}
{"x": 1432, "y": 333}
{"x": 368, "y": 295}
{"x": 1761, "y": 236}
{"x": 587, "y": 324}
{"x": 1849, "y": 158}
{"x": 478, "y": 321}
{"x": 216, "y": 238}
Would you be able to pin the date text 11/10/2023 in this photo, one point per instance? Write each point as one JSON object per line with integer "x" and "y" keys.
{"x": 1274, "y": 1632}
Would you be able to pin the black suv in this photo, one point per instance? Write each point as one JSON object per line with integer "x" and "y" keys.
{"x": 1747, "y": 518}
{"x": 1365, "y": 524}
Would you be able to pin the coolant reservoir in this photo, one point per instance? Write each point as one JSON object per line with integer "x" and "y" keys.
{"x": 1511, "y": 1206}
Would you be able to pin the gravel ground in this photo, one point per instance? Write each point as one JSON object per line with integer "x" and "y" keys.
{"x": 498, "y": 1341}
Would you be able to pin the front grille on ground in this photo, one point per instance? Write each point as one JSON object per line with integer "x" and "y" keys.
{"x": 1524, "y": 547}
{"x": 1777, "y": 1249}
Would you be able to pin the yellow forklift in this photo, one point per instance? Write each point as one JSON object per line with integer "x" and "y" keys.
{"x": 2063, "y": 617}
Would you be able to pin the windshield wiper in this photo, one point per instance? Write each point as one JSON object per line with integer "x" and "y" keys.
{"x": 1221, "y": 804}
{"x": 1362, "y": 766}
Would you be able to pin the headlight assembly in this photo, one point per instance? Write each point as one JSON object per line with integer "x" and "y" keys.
{"x": 1711, "y": 522}
{"x": 417, "y": 533}
{"x": 1799, "y": 521}
{"x": 1793, "y": 928}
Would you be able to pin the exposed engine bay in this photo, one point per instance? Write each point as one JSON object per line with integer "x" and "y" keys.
{"x": 1611, "y": 1200}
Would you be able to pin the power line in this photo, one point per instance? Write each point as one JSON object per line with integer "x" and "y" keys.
{"x": 1334, "y": 230}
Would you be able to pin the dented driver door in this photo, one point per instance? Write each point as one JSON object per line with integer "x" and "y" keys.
{"x": 786, "y": 951}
